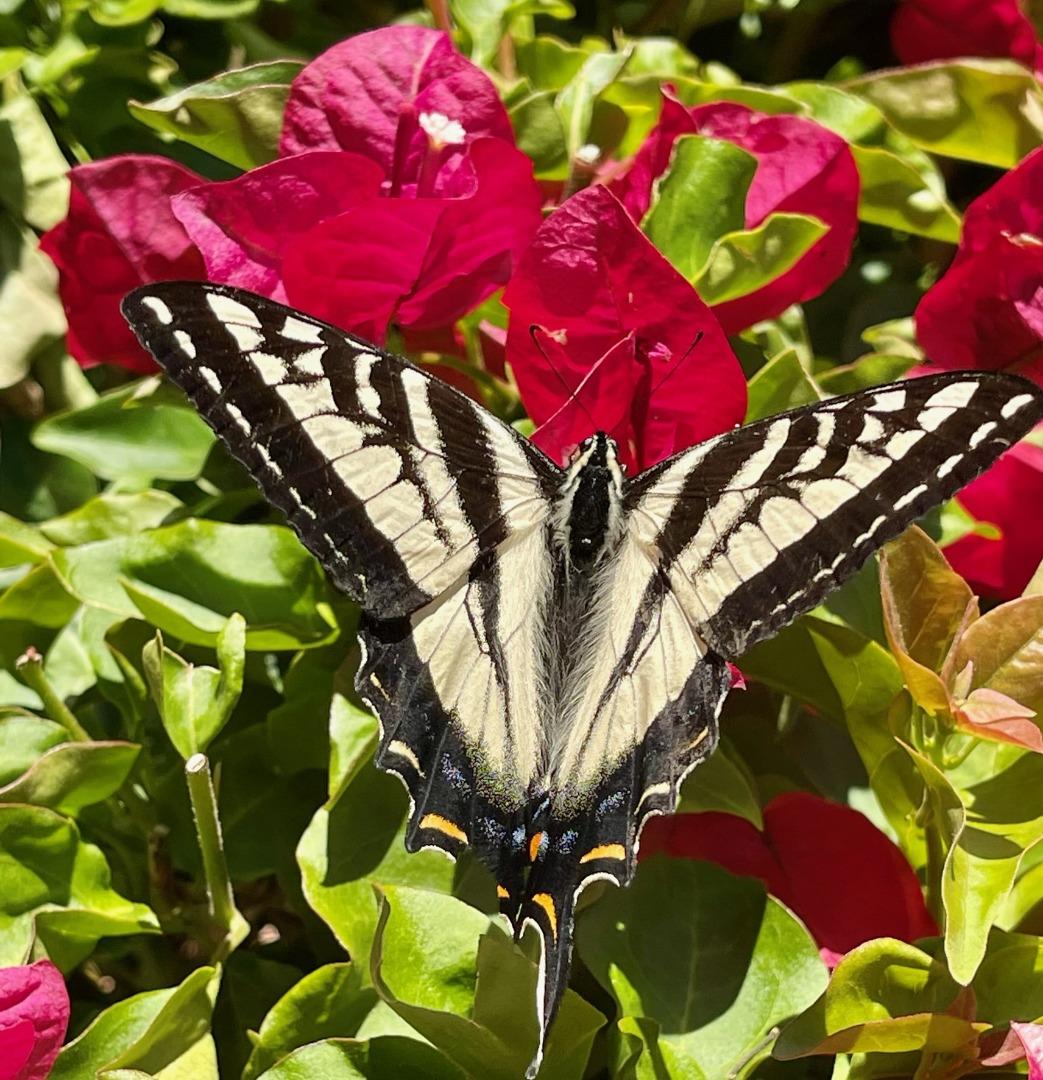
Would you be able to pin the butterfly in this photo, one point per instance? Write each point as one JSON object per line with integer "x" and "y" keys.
{"x": 547, "y": 648}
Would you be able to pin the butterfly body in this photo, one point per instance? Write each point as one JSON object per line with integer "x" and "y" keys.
{"x": 546, "y": 648}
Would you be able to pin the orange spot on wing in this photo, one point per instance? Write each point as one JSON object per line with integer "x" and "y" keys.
{"x": 534, "y": 845}
{"x": 546, "y": 901}
{"x": 443, "y": 825}
{"x": 605, "y": 851}
{"x": 502, "y": 893}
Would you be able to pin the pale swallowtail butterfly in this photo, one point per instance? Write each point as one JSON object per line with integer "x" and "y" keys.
{"x": 546, "y": 648}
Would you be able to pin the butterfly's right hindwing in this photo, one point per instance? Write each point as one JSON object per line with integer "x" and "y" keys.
{"x": 394, "y": 480}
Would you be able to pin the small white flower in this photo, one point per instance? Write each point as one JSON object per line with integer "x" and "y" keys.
{"x": 588, "y": 154}
{"x": 441, "y": 130}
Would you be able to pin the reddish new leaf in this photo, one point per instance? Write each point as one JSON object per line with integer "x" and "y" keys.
{"x": 591, "y": 280}
{"x": 368, "y": 94}
{"x": 802, "y": 168}
{"x": 120, "y": 232}
{"x": 829, "y": 863}
{"x": 34, "y": 1013}
{"x": 243, "y": 226}
{"x": 925, "y": 30}
{"x": 999, "y": 718}
{"x": 423, "y": 262}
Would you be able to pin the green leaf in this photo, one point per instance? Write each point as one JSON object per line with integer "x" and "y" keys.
{"x": 24, "y": 738}
{"x": 746, "y": 260}
{"x": 783, "y": 383}
{"x": 328, "y": 1002}
{"x": 196, "y": 702}
{"x": 715, "y": 1006}
{"x": 873, "y": 369}
{"x": 236, "y": 115}
{"x": 108, "y": 515}
{"x": 30, "y": 312}
{"x": 56, "y": 884}
{"x": 700, "y": 198}
{"x": 34, "y": 187}
{"x": 454, "y": 976}
{"x": 188, "y": 579}
{"x": 389, "y": 1057}
{"x": 884, "y": 996}
{"x": 353, "y": 739}
{"x": 150, "y": 1033}
{"x": 989, "y": 111}
{"x": 1009, "y": 983}
{"x": 39, "y": 597}
{"x": 127, "y": 438}
{"x": 354, "y": 842}
{"x": 486, "y": 21}
{"x": 722, "y": 783}
{"x": 74, "y": 775}
{"x": 20, "y": 542}
{"x": 540, "y": 134}
{"x": 894, "y": 195}
{"x": 901, "y": 188}
{"x": 575, "y": 103}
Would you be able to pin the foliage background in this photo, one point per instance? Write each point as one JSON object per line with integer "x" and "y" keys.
{"x": 338, "y": 955}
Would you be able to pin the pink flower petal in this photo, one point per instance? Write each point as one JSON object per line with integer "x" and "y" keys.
{"x": 591, "y": 278}
{"x": 422, "y": 262}
{"x": 986, "y": 312}
{"x": 925, "y": 30}
{"x": 829, "y": 863}
{"x": 1009, "y": 495}
{"x": 120, "y": 232}
{"x": 1012, "y": 205}
{"x": 367, "y": 94}
{"x": 243, "y": 226}
{"x": 1031, "y": 1036}
{"x": 34, "y": 1015}
{"x": 802, "y": 168}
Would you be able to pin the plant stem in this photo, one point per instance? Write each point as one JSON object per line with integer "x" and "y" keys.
{"x": 30, "y": 666}
{"x": 208, "y": 833}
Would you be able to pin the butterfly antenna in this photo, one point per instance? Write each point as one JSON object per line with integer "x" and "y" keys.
{"x": 535, "y": 330}
{"x": 691, "y": 348}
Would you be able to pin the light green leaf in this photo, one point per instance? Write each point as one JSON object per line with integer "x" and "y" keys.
{"x": 20, "y": 542}
{"x": 121, "y": 437}
{"x": 355, "y": 842}
{"x": 894, "y": 195}
{"x": 188, "y": 579}
{"x": 744, "y": 261}
{"x": 196, "y": 702}
{"x": 486, "y": 21}
{"x": 150, "y": 1033}
{"x": 700, "y": 198}
{"x": 575, "y": 103}
{"x": 722, "y": 783}
{"x": 38, "y": 597}
{"x": 30, "y": 312}
{"x": 455, "y": 977}
{"x": 388, "y": 1057}
{"x": 236, "y": 115}
{"x": 539, "y": 133}
{"x": 873, "y": 369}
{"x": 328, "y": 1002}
{"x": 56, "y": 884}
{"x": 110, "y": 514}
{"x": 884, "y": 996}
{"x": 989, "y": 111}
{"x": 74, "y": 775}
{"x": 34, "y": 187}
{"x": 715, "y": 1006}
{"x": 783, "y": 383}
{"x": 24, "y": 738}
